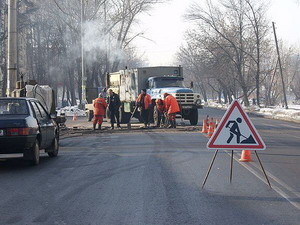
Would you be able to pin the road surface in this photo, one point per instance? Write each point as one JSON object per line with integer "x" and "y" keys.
{"x": 154, "y": 177}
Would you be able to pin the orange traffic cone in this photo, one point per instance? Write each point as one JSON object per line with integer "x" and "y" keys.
{"x": 75, "y": 116}
{"x": 211, "y": 129}
{"x": 204, "y": 127}
{"x": 246, "y": 156}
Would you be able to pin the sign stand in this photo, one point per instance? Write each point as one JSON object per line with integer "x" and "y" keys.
{"x": 263, "y": 169}
{"x": 231, "y": 166}
{"x": 210, "y": 166}
{"x": 235, "y": 132}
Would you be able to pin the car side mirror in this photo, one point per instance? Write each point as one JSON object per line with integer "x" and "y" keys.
{"x": 192, "y": 84}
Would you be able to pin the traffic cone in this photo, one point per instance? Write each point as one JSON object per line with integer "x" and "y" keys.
{"x": 75, "y": 116}
{"x": 211, "y": 129}
{"x": 205, "y": 127}
{"x": 246, "y": 156}
{"x": 217, "y": 123}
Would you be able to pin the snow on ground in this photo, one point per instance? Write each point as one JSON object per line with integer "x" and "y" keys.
{"x": 70, "y": 111}
{"x": 291, "y": 114}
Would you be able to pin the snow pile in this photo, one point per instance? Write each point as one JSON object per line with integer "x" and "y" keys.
{"x": 291, "y": 114}
{"x": 280, "y": 113}
{"x": 71, "y": 111}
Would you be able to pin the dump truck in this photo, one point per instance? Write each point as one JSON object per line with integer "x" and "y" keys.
{"x": 128, "y": 83}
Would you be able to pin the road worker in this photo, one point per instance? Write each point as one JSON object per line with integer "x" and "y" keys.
{"x": 172, "y": 107}
{"x": 144, "y": 102}
{"x": 160, "y": 106}
{"x": 99, "y": 111}
{"x": 114, "y": 103}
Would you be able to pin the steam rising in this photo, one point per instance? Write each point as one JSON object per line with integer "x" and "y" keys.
{"x": 99, "y": 43}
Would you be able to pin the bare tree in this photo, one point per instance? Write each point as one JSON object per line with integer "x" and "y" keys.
{"x": 233, "y": 34}
{"x": 50, "y": 41}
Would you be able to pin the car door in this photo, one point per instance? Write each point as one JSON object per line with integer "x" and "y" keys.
{"x": 50, "y": 127}
{"x": 42, "y": 124}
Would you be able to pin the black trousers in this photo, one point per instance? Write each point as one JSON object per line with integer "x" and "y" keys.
{"x": 145, "y": 116}
{"x": 114, "y": 116}
{"x": 161, "y": 118}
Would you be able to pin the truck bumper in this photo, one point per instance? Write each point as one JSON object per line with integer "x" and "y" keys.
{"x": 188, "y": 107}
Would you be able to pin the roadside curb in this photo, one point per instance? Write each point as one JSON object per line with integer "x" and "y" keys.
{"x": 257, "y": 114}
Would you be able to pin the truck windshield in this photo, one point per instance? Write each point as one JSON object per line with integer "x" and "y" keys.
{"x": 161, "y": 83}
{"x": 13, "y": 107}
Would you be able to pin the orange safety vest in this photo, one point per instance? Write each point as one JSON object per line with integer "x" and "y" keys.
{"x": 99, "y": 106}
{"x": 147, "y": 100}
{"x": 171, "y": 104}
{"x": 160, "y": 105}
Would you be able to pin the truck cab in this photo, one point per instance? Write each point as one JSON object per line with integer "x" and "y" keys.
{"x": 157, "y": 80}
{"x": 189, "y": 102}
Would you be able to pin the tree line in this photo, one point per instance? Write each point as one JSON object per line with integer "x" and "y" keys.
{"x": 49, "y": 41}
{"x": 230, "y": 53}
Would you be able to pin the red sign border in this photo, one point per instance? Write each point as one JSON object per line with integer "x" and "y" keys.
{"x": 236, "y": 104}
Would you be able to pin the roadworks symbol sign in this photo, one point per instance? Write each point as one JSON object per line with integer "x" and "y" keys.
{"x": 236, "y": 131}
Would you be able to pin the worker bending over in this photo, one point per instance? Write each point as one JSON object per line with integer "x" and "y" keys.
{"x": 160, "y": 106}
{"x": 172, "y": 108}
{"x": 99, "y": 111}
{"x": 143, "y": 102}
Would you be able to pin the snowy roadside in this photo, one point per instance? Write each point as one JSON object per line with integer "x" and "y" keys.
{"x": 292, "y": 114}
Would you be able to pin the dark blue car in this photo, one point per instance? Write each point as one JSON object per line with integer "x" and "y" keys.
{"x": 26, "y": 127}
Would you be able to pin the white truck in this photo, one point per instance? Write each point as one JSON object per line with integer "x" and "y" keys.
{"x": 157, "y": 80}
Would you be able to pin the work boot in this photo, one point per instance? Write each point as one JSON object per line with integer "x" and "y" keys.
{"x": 94, "y": 126}
{"x": 99, "y": 126}
{"x": 112, "y": 126}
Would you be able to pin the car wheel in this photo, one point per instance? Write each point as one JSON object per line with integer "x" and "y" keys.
{"x": 35, "y": 153}
{"x": 53, "y": 149}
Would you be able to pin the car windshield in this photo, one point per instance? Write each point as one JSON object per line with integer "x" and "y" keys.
{"x": 13, "y": 107}
{"x": 159, "y": 83}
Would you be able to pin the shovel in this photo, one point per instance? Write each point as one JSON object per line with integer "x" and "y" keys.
{"x": 132, "y": 114}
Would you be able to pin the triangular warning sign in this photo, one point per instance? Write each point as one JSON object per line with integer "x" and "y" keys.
{"x": 236, "y": 131}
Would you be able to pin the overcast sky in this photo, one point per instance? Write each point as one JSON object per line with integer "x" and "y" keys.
{"x": 165, "y": 26}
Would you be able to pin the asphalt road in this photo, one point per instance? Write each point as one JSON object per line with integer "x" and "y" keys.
{"x": 154, "y": 177}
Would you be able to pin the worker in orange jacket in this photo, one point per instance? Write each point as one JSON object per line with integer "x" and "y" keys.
{"x": 160, "y": 106}
{"x": 172, "y": 107}
{"x": 144, "y": 103}
{"x": 100, "y": 106}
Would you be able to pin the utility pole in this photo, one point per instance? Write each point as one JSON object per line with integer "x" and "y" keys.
{"x": 83, "y": 65}
{"x": 12, "y": 47}
{"x": 280, "y": 67}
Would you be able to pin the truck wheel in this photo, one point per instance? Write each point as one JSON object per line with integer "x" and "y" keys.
{"x": 90, "y": 115}
{"x": 124, "y": 117}
{"x": 193, "y": 117}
